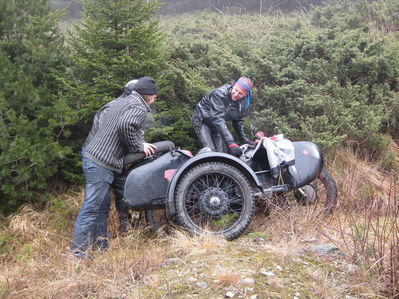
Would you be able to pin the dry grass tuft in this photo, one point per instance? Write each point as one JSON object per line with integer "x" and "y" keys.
{"x": 227, "y": 277}
{"x": 367, "y": 228}
{"x": 326, "y": 285}
{"x": 196, "y": 245}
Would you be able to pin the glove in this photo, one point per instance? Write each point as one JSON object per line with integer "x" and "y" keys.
{"x": 235, "y": 150}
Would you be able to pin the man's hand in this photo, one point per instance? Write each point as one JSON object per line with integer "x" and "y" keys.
{"x": 258, "y": 136}
{"x": 149, "y": 149}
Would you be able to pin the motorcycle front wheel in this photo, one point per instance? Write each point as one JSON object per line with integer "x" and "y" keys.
{"x": 214, "y": 197}
{"x": 321, "y": 193}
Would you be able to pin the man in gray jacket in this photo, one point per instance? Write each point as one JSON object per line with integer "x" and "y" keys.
{"x": 119, "y": 132}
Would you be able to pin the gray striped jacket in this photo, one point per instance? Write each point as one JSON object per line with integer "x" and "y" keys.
{"x": 119, "y": 132}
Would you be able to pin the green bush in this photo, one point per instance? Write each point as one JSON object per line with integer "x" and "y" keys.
{"x": 327, "y": 76}
{"x": 34, "y": 114}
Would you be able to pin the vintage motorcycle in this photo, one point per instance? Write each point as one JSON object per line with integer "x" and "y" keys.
{"x": 218, "y": 192}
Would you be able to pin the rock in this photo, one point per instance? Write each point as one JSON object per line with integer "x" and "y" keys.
{"x": 265, "y": 273}
{"x": 279, "y": 268}
{"x": 191, "y": 279}
{"x": 170, "y": 261}
{"x": 229, "y": 295}
{"x": 253, "y": 297}
{"x": 258, "y": 240}
{"x": 248, "y": 280}
{"x": 324, "y": 249}
{"x": 202, "y": 284}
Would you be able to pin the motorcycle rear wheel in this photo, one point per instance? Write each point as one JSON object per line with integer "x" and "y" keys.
{"x": 321, "y": 192}
{"x": 215, "y": 197}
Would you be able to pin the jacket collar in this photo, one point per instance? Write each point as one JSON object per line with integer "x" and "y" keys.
{"x": 142, "y": 100}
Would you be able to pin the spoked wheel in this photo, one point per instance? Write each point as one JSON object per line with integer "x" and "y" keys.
{"x": 217, "y": 197}
{"x": 322, "y": 193}
{"x": 156, "y": 219}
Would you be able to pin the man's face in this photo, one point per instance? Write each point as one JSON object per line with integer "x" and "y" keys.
{"x": 151, "y": 99}
{"x": 237, "y": 93}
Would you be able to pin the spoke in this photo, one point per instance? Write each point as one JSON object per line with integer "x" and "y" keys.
{"x": 192, "y": 208}
{"x": 204, "y": 180}
{"x": 196, "y": 187}
{"x": 236, "y": 202}
{"x": 234, "y": 210}
{"x": 219, "y": 180}
{"x": 207, "y": 180}
{"x": 227, "y": 185}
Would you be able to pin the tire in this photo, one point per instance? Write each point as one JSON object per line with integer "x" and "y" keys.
{"x": 156, "y": 219}
{"x": 216, "y": 197}
{"x": 322, "y": 192}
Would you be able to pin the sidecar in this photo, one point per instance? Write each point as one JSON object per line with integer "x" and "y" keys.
{"x": 213, "y": 191}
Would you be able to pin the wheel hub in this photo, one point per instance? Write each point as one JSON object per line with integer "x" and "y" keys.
{"x": 214, "y": 202}
{"x": 306, "y": 195}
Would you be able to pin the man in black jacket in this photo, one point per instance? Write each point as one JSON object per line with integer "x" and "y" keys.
{"x": 119, "y": 132}
{"x": 226, "y": 103}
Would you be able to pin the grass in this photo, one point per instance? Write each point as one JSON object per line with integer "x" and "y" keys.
{"x": 274, "y": 259}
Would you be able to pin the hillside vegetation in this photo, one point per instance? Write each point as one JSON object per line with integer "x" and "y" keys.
{"x": 328, "y": 74}
{"x": 286, "y": 252}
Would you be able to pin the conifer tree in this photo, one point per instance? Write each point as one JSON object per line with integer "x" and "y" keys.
{"x": 33, "y": 114}
{"x": 116, "y": 41}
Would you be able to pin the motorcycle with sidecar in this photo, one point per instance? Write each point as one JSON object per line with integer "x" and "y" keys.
{"x": 218, "y": 192}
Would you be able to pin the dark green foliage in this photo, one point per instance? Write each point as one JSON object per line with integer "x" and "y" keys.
{"x": 235, "y": 6}
{"x": 33, "y": 112}
{"x": 331, "y": 81}
{"x": 328, "y": 86}
{"x": 116, "y": 41}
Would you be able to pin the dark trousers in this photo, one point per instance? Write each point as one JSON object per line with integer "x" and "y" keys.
{"x": 207, "y": 134}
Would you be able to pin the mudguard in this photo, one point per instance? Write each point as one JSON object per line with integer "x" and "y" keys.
{"x": 308, "y": 164}
{"x": 204, "y": 158}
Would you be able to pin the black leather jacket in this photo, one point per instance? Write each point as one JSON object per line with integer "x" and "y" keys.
{"x": 217, "y": 107}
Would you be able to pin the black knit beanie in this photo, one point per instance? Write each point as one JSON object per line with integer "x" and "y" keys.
{"x": 146, "y": 85}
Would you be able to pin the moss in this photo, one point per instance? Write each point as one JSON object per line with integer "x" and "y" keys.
{"x": 6, "y": 244}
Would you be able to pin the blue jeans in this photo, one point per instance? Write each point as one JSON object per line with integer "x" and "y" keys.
{"x": 91, "y": 222}
{"x": 100, "y": 237}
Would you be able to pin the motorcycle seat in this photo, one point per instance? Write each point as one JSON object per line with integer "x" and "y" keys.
{"x": 133, "y": 158}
